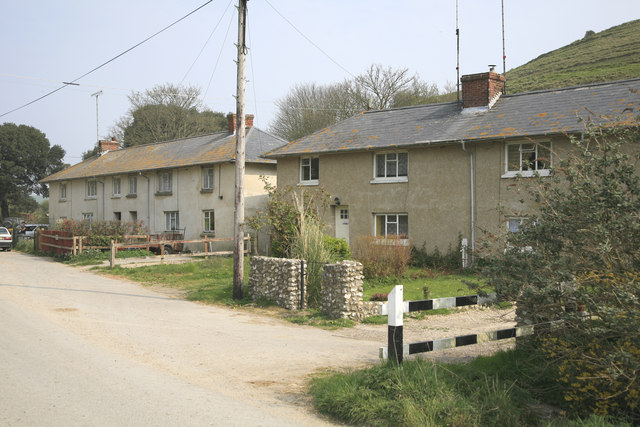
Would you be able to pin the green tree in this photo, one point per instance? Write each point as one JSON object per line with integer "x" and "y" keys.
{"x": 577, "y": 262}
{"x": 26, "y": 157}
{"x": 163, "y": 113}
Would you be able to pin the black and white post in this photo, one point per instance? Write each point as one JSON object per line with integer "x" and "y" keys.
{"x": 395, "y": 307}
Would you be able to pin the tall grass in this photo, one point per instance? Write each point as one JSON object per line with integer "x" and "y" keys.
{"x": 309, "y": 244}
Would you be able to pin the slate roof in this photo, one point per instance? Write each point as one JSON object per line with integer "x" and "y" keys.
{"x": 197, "y": 150}
{"x": 528, "y": 114}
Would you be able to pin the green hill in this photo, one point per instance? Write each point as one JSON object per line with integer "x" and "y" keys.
{"x": 612, "y": 54}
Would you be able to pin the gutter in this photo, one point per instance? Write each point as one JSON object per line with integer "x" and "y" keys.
{"x": 472, "y": 208}
{"x": 148, "y": 200}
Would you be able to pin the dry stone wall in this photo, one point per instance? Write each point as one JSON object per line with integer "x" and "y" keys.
{"x": 276, "y": 280}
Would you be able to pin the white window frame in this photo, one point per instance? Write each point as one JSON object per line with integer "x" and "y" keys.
{"x": 211, "y": 221}
{"x": 133, "y": 185}
{"x": 133, "y": 216}
{"x": 87, "y": 216}
{"x": 63, "y": 191}
{"x": 388, "y": 176}
{"x": 395, "y": 217}
{"x": 534, "y": 171}
{"x": 115, "y": 184}
{"x": 207, "y": 178}
{"x": 165, "y": 182}
{"x": 172, "y": 220}
{"x": 307, "y": 163}
{"x": 92, "y": 189}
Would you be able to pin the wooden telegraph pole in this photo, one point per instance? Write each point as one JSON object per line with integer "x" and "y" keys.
{"x": 238, "y": 251}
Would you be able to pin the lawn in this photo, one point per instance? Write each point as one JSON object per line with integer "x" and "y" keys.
{"x": 438, "y": 284}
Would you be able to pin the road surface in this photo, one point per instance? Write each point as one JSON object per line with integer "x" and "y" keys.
{"x": 78, "y": 348}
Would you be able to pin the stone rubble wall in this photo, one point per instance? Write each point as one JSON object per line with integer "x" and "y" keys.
{"x": 276, "y": 280}
{"x": 342, "y": 292}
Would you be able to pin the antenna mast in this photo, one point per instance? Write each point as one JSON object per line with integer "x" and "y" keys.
{"x": 97, "y": 94}
{"x": 504, "y": 54}
{"x": 457, "y": 56}
{"x": 238, "y": 250}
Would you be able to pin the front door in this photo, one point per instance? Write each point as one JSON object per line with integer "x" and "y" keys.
{"x": 342, "y": 222}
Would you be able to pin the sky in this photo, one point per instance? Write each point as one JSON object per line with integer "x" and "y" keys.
{"x": 291, "y": 42}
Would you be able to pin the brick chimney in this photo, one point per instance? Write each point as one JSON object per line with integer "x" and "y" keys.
{"x": 231, "y": 119}
{"x": 482, "y": 89}
{"x": 104, "y": 146}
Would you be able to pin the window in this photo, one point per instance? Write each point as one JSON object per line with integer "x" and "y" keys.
{"x": 310, "y": 170}
{"x": 116, "y": 186}
{"x": 63, "y": 191}
{"x": 209, "y": 222}
{"x": 117, "y": 216}
{"x": 172, "y": 221}
{"x": 388, "y": 225}
{"x": 164, "y": 182}
{"x": 87, "y": 216}
{"x": 515, "y": 224}
{"x": 344, "y": 213}
{"x": 133, "y": 216}
{"x": 92, "y": 189}
{"x": 528, "y": 159}
{"x": 391, "y": 167}
{"x": 133, "y": 185}
{"x": 207, "y": 178}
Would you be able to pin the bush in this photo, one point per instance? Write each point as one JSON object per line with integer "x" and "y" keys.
{"x": 339, "y": 248}
{"x": 100, "y": 233}
{"x": 578, "y": 263}
{"x": 382, "y": 257}
{"x": 436, "y": 260}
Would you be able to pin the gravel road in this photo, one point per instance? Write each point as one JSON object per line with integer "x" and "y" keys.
{"x": 77, "y": 348}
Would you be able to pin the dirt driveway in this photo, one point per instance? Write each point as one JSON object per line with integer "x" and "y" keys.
{"x": 244, "y": 356}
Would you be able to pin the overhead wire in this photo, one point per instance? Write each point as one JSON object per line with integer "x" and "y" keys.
{"x": 215, "y": 67}
{"x": 70, "y": 83}
{"x": 309, "y": 40}
{"x": 207, "y": 42}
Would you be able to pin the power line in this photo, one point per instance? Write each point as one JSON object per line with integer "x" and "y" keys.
{"x": 215, "y": 67}
{"x": 107, "y": 62}
{"x": 309, "y": 40}
{"x": 207, "y": 42}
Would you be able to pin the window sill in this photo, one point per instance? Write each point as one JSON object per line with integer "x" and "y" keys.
{"x": 116, "y": 196}
{"x": 131, "y": 196}
{"x": 91, "y": 198}
{"x": 208, "y": 234}
{"x": 206, "y": 190}
{"x": 392, "y": 242}
{"x": 163, "y": 193}
{"x": 389, "y": 180}
{"x": 310, "y": 182}
{"x": 62, "y": 200}
{"x": 527, "y": 174}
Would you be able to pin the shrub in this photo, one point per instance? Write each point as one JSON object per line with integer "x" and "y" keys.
{"x": 436, "y": 260}
{"x": 382, "y": 257}
{"x": 379, "y": 297}
{"x": 100, "y": 233}
{"x": 339, "y": 248}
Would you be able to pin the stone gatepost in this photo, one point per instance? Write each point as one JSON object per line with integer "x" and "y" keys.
{"x": 342, "y": 290}
{"x": 276, "y": 280}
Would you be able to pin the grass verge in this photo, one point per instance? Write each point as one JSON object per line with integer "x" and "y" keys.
{"x": 504, "y": 389}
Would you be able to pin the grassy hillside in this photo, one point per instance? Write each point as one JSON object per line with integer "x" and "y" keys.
{"x": 612, "y": 54}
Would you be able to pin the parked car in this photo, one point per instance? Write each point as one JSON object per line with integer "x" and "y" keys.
{"x": 5, "y": 239}
{"x": 30, "y": 229}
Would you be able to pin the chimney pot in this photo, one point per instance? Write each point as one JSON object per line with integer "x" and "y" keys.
{"x": 482, "y": 89}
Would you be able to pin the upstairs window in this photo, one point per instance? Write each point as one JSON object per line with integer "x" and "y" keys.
{"x": 116, "y": 186}
{"x": 391, "y": 167}
{"x": 528, "y": 159}
{"x": 165, "y": 182}
{"x": 63, "y": 191}
{"x": 133, "y": 185}
{"x": 309, "y": 170}
{"x": 92, "y": 189}
{"x": 207, "y": 178}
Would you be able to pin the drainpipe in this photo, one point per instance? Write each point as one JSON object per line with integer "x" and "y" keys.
{"x": 148, "y": 200}
{"x": 473, "y": 202}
